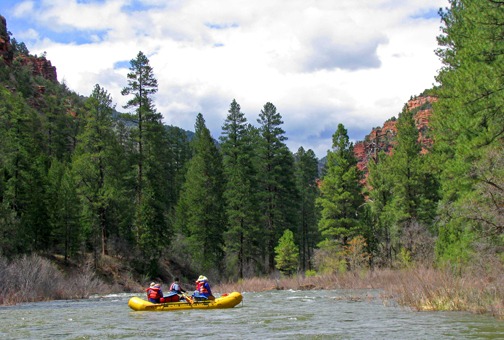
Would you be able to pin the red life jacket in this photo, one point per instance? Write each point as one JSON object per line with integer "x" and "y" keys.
{"x": 154, "y": 293}
{"x": 203, "y": 289}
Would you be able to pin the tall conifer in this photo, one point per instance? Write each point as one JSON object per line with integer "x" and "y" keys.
{"x": 64, "y": 209}
{"x": 241, "y": 194}
{"x": 306, "y": 181}
{"x": 94, "y": 168}
{"x": 151, "y": 228}
{"x": 142, "y": 85}
{"x": 340, "y": 192}
{"x": 277, "y": 186}
{"x": 200, "y": 212}
{"x": 468, "y": 123}
{"x": 382, "y": 211}
{"x": 414, "y": 192}
{"x": 24, "y": 223}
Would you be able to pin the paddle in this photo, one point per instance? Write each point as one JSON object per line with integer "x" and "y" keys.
{"x": 188, "y": 298}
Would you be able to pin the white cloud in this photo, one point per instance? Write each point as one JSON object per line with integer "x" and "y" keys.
{"x": 29, "y": 34}
{"x": 319, "y": 62}
{"x": 23, "y": 8}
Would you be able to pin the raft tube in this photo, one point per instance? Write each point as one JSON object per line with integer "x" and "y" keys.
{"x": 225, "y": 301}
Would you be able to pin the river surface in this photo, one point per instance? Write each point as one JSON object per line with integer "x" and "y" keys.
{"x": 329, "y": 314}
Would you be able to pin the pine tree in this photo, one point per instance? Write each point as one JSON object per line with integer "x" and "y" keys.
{"x": 306, "y": 181}
{"x": 241, "y": 237}
{"x": 121, "y": 187}
{"x": 340, "y": 192}
{"x": 277, "y": 186}
{"x": 287, "y": 254}
{"x": 152, "y": 187}
{"x": 200, "y": 212}
{"x": 179, "y": 152}
{"x": 160, "y": 185}
{"x": 24, "y": 223}
{"x": 408, "y": 206}
{"x": 94, "y": 168}
{"x": 142, "y": 85}
{"x": 58, "y": 125}
{"x": 382, "y": 212}
{"x": 468, "y": 122}
{"x": 64, "y": 210}
{"x": 407, "y": 184}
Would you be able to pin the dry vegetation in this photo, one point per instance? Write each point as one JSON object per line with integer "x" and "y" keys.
{"x": 35, "y": 278}
{"x": 424, "y": 289}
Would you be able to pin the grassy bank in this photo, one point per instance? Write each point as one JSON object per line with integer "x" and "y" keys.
{"x": 423, "y": 289}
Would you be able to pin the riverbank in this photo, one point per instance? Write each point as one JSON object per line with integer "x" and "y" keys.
{"x": 478, "y": 289}
{"x": 422, "y": 289}
{"x": 32, "y": 278}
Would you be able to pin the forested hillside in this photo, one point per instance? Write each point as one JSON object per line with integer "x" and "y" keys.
{"x": 80, "y": 181}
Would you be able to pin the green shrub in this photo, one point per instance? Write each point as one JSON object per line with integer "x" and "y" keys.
{"x": 310, "y": 273}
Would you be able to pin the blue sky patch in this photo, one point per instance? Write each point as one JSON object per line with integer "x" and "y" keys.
{"x": 18, "y": 26}
{"x": 326, "y": 133}
{"x": 138, "y": 6}
{"x": 121, "y": 64}
{"x": 430, "y": 13}
{"x": 90, "y": 1}
{"x": 72, "y": 36}
{"x": 215, "y": 26}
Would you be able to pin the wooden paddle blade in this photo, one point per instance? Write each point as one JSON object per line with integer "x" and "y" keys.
{"x": 188, "y": 298}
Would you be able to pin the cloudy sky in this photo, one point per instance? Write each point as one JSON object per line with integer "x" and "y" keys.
{"x": 320, "y": 62}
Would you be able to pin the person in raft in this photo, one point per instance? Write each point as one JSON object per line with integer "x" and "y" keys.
{"x": 203, "y": 289}
{"x": 154, "y": 293}
{"x": 176, "y": 292}
{"x": 175, "y": 287}
{"x": 148, "y": 289}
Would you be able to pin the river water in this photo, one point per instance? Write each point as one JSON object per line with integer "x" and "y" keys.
{"x": 331, "y": 314}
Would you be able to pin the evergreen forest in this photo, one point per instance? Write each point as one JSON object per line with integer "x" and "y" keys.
{"x": 82, "y": 178}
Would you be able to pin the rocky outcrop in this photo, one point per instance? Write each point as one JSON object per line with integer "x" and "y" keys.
{"x": 40, "y": 66}
{"x": 420, "y": 101}
{"x": 5, "y": 46}
{"x": 384, "y": 138}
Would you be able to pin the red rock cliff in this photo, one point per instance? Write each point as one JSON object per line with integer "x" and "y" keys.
{"x": 5, "y": 45}
{"x": 40, "y": 66}
{"x": 384, "y": 138}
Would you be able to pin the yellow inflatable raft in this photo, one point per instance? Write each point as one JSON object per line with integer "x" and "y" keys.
{"x": 225, "y": 301}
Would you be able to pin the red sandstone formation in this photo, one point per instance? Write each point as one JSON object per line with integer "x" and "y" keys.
{"x": 5, "y": 45}
{"x": 419, "y": 101}
{"x": 383, "y": 138}
{"x": 40, "y": 66}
